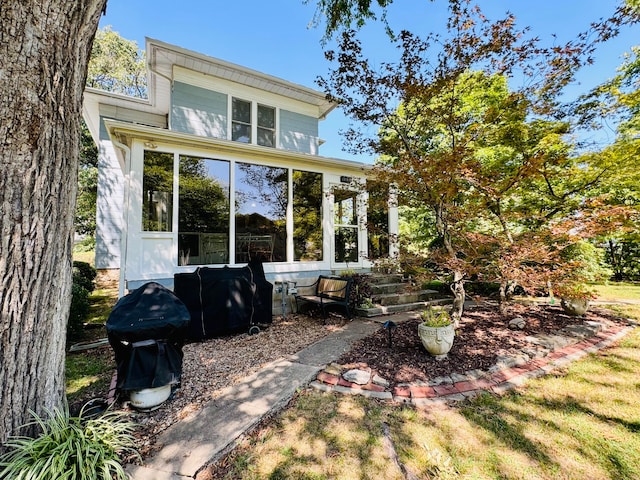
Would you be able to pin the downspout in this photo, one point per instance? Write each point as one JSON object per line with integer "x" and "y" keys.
{"x": 125, "y": 213}
{"x": 151, "y": 66}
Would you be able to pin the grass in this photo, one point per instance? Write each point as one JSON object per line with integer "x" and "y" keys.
{"x": 618, "y": 291}
{"x": 580, "y": 422}
{"x": 626, "y": 294}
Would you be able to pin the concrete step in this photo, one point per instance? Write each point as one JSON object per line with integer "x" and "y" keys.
{"x": 406, "y": 297}
{"x": 378, "y": 310}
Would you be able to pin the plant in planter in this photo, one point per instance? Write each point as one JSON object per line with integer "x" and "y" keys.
{"x": 70, "y": 447}
{"x": 436, "y": 332}
{"x": 574, "y": 297}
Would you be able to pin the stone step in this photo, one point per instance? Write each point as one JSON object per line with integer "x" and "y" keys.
{"x": 406, "y": 297}
{"x": 387, "y": 288}
{"x": 382, "y": 278}
{"x": 406, "y": 307}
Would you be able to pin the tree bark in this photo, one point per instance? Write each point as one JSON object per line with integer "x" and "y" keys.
{"x": 44, "y": 51}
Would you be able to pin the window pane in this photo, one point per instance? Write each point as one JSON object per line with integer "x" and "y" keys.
{"x": 157, "y": 191}
{"x": 203, "y": 211}
{"x": 241, "y": 121}
{"x": 241, "y": 111}
{"x": 241, "y": 133}
{"x": 346, "y": 244}
{"x": 261, "y": 206}
{"x": 266, "y": 126}
{"x": 266, "y": 138}
{"x": 307, "y": 216}
{"x": 266, "y": 117}
{"x": 344, "y": 207}
{"x": 378, "y": 219}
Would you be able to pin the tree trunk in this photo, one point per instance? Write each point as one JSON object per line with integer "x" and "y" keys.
{"x": 502, "y": 301}
{"x": 44, "y": 50}
{"x": 459, "y": 295}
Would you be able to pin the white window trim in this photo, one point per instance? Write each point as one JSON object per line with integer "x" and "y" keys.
{"x": 254, "y": 119}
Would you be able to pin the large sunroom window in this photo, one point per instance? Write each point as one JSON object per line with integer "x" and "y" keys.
{"x": 157, "y": 191}
{"x": 307, "y": 216}
{"x": 203, "y": 211}
{"x": 261, "y": 212}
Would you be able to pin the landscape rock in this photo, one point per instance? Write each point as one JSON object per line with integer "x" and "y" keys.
{"x": 360, "y": 377}
{"x": 517, "y": 323}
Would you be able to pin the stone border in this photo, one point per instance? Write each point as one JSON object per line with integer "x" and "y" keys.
{"x": 572, "y": 343}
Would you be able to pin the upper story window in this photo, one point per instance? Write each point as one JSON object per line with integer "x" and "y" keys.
{"x": 242, "y": 113}
{"x": 241, "y": 121}
{"x": 266, "y": 126}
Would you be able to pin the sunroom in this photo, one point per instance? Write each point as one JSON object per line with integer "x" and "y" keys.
{"x": 221, "y": 166}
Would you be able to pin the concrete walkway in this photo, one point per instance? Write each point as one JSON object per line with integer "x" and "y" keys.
{"x": 206, "y": 436}
{"x": 210, "y": 433}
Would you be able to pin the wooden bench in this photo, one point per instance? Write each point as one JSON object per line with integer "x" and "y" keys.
{"x": 328, "y": 292}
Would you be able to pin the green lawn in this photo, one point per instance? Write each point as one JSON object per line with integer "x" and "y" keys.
{"x": 582, "y": 422}
{"x": 618, "y": 291}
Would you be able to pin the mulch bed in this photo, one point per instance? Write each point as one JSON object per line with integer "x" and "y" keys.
{"x": 483, "y": 337}
{"x": 211, "y": 365}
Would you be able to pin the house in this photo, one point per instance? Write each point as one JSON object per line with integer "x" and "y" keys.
{"x": 219, "y": 165}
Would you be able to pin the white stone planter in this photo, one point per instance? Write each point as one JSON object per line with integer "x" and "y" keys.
{"x": 436, "y": 340}
{"x": 575, "y": 306}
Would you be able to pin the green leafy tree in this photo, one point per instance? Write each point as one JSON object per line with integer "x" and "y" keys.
{"x": 85, "y": 219}
{"x": 619, "y": 184}
{"x": 117, "y": 65}
{"x": 457, "y": 140}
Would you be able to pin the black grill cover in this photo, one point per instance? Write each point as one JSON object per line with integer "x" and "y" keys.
{"x": 224, "y": 300}
{"x": 146, "y": 331}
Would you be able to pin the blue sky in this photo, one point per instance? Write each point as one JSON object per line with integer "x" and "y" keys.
{"x": 274, "y": 36}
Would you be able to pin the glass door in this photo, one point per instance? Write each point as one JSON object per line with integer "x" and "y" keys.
{"x": 346, "y": 241}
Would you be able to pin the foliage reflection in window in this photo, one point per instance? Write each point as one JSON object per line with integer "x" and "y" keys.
{"x": 307, "y": 216}
{"x": 261, "y": 207}
{"x": 203, "y": 211}
{"x": 157, "y": 192}
{"x": 345, "y": 220}
{"x": 378, "y": 219}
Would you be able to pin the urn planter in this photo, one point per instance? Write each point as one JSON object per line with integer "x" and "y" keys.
{"x": 575, "y": 306}
{"x": 437, "y": 340}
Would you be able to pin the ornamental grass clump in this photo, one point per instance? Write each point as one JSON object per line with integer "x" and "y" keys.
{"x": 433, "y": 319}
{"x": 70, "y": 448}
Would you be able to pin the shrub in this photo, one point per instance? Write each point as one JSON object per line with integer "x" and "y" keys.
{"x": 360, "y": 289}
{"x": 78, "y": 311}
{"x": 84, "y": 275}
{"x": 70, "y": 447}
{"x": 589, "y": 261}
